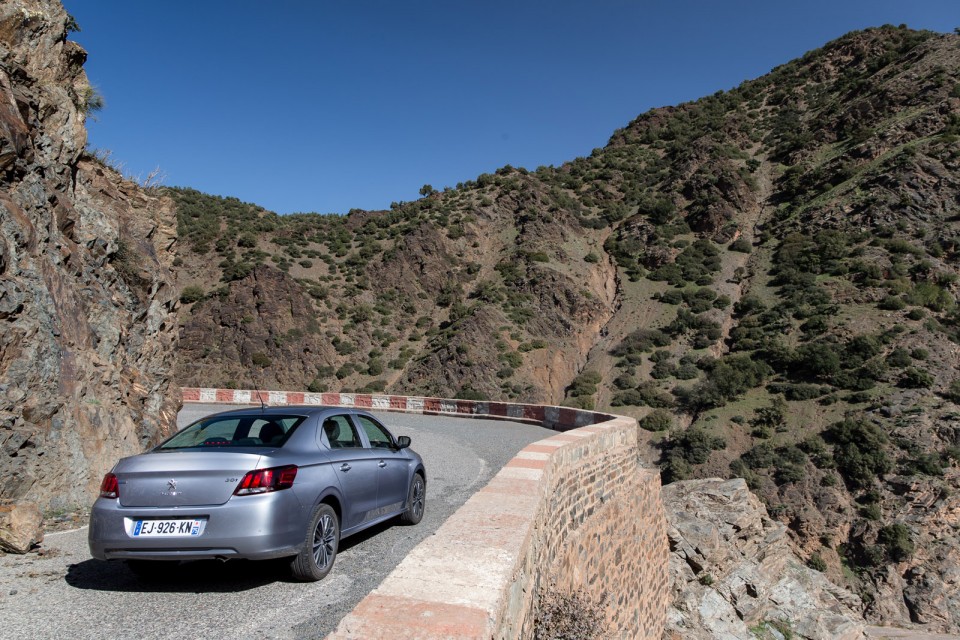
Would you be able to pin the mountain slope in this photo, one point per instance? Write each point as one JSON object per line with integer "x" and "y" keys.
{"x": 766, "y": 277}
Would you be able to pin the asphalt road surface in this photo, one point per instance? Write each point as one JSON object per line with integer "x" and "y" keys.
{"x": 64, "y": 593}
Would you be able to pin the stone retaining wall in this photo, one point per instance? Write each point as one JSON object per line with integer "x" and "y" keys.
{"x": 575, "y": 509}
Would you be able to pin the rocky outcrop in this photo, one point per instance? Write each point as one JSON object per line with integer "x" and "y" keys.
{"x": 261, "y": 333}
{"x": 86, "y": 301}
{"x": 734, "y": 574}
{"x": 20, "y": 527}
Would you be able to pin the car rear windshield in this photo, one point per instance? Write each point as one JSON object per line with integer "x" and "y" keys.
{"x": 235, "y": 431}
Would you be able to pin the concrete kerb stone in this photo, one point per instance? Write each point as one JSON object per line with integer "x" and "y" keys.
{"x": 477, "y": 576}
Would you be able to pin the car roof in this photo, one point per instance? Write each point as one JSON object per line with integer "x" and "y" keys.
{"x": 307, "y": 410}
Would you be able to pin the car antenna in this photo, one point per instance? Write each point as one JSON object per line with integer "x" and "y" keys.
{"x": 263, "y": 405}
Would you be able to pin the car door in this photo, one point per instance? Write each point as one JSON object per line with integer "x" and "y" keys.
{"x": 393, "y": 464}
{"x": 356, "y": 468}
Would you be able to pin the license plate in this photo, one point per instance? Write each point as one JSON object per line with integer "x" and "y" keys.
{"x": 168, "y": 528}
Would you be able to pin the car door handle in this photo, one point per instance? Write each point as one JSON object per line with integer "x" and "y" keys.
{"x": 381, "y": 464}
{"x": 345, "y": 467}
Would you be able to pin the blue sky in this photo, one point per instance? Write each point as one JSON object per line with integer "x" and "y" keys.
{"x": 325, "y": 106}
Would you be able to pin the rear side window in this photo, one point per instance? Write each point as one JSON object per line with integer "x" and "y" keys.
{"x": 235, "y": 431}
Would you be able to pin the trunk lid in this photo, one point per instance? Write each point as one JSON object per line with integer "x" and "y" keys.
{"x": 182, "y": 478}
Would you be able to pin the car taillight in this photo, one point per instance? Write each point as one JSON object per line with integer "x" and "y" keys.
{"x": 110, "y": 488}
{"x": 264, "y": 480}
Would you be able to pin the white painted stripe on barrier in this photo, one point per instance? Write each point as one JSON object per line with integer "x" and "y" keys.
{"x": 347, "y": 399}
{"x": 208, "y": 395}
{"x": 380, "y": 402}
{"x": 520, "y": 473}
{"x": 312, "y": 398}
{"x": 241, "y": 397}
{"x": 448, "y": 407}
{"x": 533, "y": 455}
{"x": 414, "y": 404}
{"x": 550, "y": 443}
{"x": 514, "y": 410}
{"x": 277, "y": 397}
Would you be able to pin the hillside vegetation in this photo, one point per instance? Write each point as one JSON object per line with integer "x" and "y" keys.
{"x": 766, "y": 278}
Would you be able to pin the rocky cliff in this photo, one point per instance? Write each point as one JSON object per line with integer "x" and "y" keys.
{"x": 86, "y": 295}
{"x": 735, "y": 575}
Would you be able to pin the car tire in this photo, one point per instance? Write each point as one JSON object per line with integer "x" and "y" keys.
{"x": 152, "y": 569}
{"x": 319, "y": 547}
{"x": 416, "y": 501}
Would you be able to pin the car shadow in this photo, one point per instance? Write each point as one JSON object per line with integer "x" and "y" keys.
{"x": 206, "y": 576}
{"x": 196, "y": 576}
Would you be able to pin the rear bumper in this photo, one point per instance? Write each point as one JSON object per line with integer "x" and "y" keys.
{"x": 258, "y": 527}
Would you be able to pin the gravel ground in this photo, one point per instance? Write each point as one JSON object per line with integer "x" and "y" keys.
{"x": 60, "y": 592}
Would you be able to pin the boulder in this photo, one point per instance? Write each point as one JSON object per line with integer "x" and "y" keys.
{"x": 20, "y": 527}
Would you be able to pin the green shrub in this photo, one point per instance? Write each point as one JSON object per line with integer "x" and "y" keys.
{"x": 580, "y": 402}
{"x": 512, "y": 359}
{"x": 469, "y": 393}
{"x": 695, "y": 445}
{"x": 640, "y": 341}
{"x": 896, "y": 540}
{"x": 261, "y": 359}
{"x": 859, "y": 451}
{"x": 927, "y": 464}
{"x": 374, "y": 386}
{"x": 916, "y": 314}
{"x": 914, "y": 378}
{"x": 374, "y": 367}
{"x": 741, "y": 245}
{"x": 871, "y": 511}
{"x": 191, "y": 294}
{"x": 726, "y": 379}
{"x": 817, "y": 563}
{"x": 932, "y": 296}
{"x": 627, "y": 381}
{"x": 899, "y": 358}
{"x": 585, "y": 384}
{"x": 656, "y": 420}
{"x": 892, "y": 303}
{"x": 798, "y": 391}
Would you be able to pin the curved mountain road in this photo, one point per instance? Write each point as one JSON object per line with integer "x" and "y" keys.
{"x": 64, "y": 593}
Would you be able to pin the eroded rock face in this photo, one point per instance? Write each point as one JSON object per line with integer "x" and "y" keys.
{"x": 86, "y": 300}
{"x": 734, "y": 574}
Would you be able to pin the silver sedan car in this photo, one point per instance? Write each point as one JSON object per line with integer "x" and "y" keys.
{"x": 272, "y": 482}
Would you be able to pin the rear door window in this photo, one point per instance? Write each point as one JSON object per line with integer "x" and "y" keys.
{"x": 341, "y": 433}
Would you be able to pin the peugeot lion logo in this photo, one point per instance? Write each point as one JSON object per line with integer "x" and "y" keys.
{"x": 172, "y": 488}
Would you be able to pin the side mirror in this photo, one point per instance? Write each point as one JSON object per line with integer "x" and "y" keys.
{"x": 403, "y": 442}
